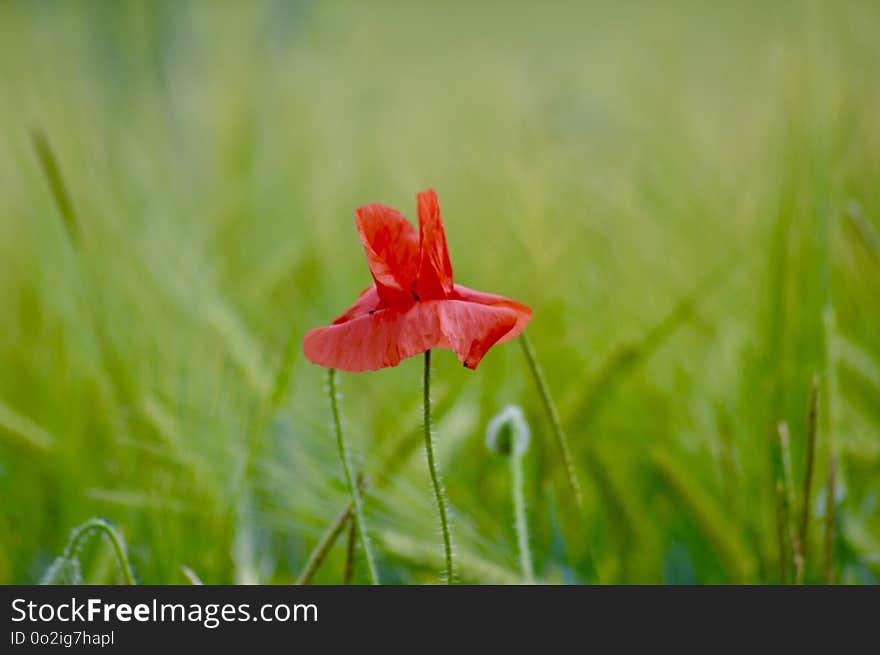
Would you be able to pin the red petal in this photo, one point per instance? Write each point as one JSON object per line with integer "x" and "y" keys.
{"x": 388, "y": 336}
{"x": 523, "y": 312}
{"x": 377, "y": 340}
{"x": 472, "y": 328}
{"x": 435, "y": 269}
{"x": 368, "y": 301}
{"x": 392, "y": 248}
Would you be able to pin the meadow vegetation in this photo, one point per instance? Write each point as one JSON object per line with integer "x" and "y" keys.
{"x": 687, "y": 195}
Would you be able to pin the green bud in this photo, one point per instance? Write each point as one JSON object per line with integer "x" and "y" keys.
{"x": 508, "y": 433}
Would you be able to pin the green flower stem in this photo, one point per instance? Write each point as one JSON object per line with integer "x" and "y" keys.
{"x": 328, "y": 539}
{"x": 439, "y": 496}
{"x": 357, "y": 505}
{"x": 99, "y": 525}
{"x": 348, "y": 574}
{"x": 325, "y": 543}
{"x": 553, "y": 415}
{"x": 522, "y": 526}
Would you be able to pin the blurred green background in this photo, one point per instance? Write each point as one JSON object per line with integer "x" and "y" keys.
{"x": 687, "y": 194}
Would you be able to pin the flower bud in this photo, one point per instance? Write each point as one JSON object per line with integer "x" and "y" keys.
{"x": 508, "y": 433}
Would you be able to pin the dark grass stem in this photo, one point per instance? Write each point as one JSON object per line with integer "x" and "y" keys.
{"x": 830, "y": 412}
{"x": 812, "y": 426}
{"x": 328, "y": 539}
{"x": 780, "y": 533}
{"x": 439, "y": 495}
{"x": 52, "y": 171}
{"x": 522, "y": 525}
{"x": 553, "y": 416}
{"x": 789, "y": 504}
{"x": 830, "y": 521}
{"x": 348, "y": 574}
{"x": 325, "y": 543}
{"x": 357, "y": 505}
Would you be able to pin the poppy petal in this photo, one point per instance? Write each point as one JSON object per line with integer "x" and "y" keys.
{"x": 435, "y": 269}
{"x": 373, "y": 341}
{"x": 472, "y": 328}
{"x": 367, "y": 302}
{"x": 392, "y": 247}
{"x": 523, "y": 312}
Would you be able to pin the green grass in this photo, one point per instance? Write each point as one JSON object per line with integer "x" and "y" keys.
{"x": 688, "y": 196}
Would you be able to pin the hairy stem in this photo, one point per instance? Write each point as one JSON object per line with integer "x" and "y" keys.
{"x": 99, "y": 525}
{"x": 553, "y": 416}
{"x": 357, "y": 506}
{"x": 348, "y": 574}
{"x": 439, "y": 495}
{"x": 522, "y": 526}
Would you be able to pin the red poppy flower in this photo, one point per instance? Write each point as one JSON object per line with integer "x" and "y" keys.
{"x": 413, "y": 305}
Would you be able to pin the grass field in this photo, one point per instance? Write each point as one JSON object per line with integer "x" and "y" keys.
{"x": 687, "y": 195}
